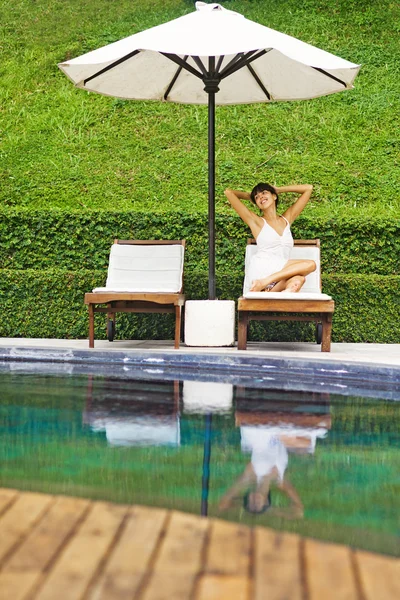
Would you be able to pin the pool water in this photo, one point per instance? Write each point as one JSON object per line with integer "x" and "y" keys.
{"x": 321, "y": 465}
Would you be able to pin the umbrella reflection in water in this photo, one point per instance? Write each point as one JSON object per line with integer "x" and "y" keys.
{"x": 206, "y": 398}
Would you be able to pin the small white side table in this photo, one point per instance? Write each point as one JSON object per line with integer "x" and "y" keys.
{"x": 209, "y": 323}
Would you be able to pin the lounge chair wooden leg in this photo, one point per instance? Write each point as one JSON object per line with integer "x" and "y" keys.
{"x": 242, "y": 330}
{"x": 91, "y": 326}
{"x": 178, "y": 310}
{"x": 326, "y": 333}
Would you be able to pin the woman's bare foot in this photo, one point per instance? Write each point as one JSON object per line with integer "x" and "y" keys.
{"x": 295, "y": 284}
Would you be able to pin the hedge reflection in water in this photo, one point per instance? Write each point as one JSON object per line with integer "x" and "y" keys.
{"x": 320, "y": 465}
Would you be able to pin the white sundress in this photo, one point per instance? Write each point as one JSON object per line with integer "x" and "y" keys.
{"x": 273, "y": 251}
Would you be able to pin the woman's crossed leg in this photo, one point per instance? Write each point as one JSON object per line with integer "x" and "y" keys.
{"x": 290, "y": 279}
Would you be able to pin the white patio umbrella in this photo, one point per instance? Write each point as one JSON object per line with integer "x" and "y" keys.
{"x": 211, "y": 56}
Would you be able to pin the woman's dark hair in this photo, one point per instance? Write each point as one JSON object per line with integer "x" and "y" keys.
{"x": 262, "y": 187}
{"x": 251, "y": 509}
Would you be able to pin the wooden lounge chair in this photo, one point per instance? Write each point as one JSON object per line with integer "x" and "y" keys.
{"x": 310, "y": 304}
{"x": 144, "y": 276}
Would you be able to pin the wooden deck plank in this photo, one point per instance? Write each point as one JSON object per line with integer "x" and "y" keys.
{"x": 179, "y": 560}
{"x": 17, "y": 522}
{"x": 277, "y": 573}
{"x": 229, "y": 549}
{"x": 83, "y": 555}
{"x": 16, "y": 588}
{"x": 379, "y": 575}
{"x": 129, "y": 562}
{"x": 26, "y": 566}
{"x": 220, "y": 587}
{"x": 329, "y": 571}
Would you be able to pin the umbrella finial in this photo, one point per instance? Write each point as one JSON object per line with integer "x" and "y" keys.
{"x": 205, "y": 6}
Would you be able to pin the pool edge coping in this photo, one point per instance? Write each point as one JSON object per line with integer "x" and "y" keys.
{"x": 241, "y": 362}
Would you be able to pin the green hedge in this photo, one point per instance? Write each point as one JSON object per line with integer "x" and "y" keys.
{"x": 50, "y": 304}
{"x": 75, "y": 240}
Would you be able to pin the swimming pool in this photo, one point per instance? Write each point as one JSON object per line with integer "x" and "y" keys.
{"x": 325, "y": 464}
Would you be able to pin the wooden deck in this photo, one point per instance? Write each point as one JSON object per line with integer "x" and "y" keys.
{"x": 59, "y": 548}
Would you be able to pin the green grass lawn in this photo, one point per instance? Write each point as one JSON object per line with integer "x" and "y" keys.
{"x": 65, "y": 148}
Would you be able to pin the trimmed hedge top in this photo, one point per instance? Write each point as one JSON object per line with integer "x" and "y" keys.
{"x": 76, "y": 240}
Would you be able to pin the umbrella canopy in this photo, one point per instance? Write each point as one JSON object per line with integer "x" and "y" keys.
{"x": 211, "y": 56}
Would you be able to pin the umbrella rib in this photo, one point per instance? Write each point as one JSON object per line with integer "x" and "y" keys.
{"x": 114, "y": 64}
{"x": 258, "y": 80}
{"x": 238, "y": 62}
{"x": 329, "y": 75}
{"x": 173, "y": 80}
{"x": 232, "y": 62}
{"x": 219, "y": 63}
{"x": 200, "y": 65}
{"x": 181, "y": 63}
{"x": 246, "y": 60}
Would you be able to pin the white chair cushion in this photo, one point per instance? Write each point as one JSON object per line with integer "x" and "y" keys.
{"x": 140, "y": 268}
{"x": 312, "y": 283}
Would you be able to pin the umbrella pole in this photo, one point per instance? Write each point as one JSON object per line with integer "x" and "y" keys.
{"x": 211, "y": 185}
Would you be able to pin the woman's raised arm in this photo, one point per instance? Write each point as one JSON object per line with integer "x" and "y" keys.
{"x": 293, "y": 211}
{"x": 234, "y": 199}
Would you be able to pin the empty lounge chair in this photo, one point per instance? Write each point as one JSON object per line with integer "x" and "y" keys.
{"x": 144, "y": 276}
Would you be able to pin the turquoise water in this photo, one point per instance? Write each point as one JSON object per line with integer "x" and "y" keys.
{"x": 330, "y": 463}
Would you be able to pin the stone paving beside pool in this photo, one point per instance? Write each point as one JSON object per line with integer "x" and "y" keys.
{"x": 388, "y": 354}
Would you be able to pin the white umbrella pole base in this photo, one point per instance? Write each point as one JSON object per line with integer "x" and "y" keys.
{"x": 209, "y": 323}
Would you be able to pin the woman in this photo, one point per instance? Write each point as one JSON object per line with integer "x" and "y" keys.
{"x": 270, "y": 268}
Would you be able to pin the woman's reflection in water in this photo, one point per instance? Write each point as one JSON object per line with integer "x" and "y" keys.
{"x": 269, "y": 446}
